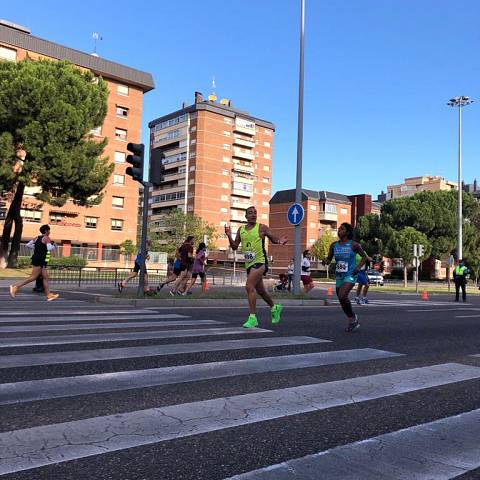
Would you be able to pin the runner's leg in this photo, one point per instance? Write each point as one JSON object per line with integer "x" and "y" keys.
{"x": 342, "y": 293}
{"x": 35, "y": 273}
{"x": 253, "y": 278}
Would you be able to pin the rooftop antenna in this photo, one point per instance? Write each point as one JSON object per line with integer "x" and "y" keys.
{"x": 213, "y": 96}
{"x": 96, "y": 37}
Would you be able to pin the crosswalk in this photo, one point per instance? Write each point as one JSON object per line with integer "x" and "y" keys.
{"x": 197, "y": 377}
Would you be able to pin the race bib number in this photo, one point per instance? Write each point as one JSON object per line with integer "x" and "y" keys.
{"x": 249, "y": 256}
{"x": 342, "y": 267}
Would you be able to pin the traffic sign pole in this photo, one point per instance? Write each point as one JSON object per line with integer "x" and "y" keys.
{"x": 298, "y": 189}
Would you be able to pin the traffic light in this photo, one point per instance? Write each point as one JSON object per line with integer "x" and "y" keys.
{"x": 421, "y": 250}
{"x": 156, "y": 166}
{"x": 3, "y": 210}
{"x": 136, "y": 160}
{"x": 414, "y": 250}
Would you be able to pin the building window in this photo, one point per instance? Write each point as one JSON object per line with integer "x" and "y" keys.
{"x": 119, "y": 157}
{"x": 227, "y": 134}
{"x": 8, "y": 54}
{"x": 313, "y": 208}
{"x": 34, "y": 216}
{"x": 264, "y": 203}
{"x": 193, "y": 129}
{"x": 192, "y": 155}
{"x": 56, "y": 217}
{"x": 226, "y": 159}
{"x": 266, "y": 192}
{"x": 265, "y": 180}
{"x": 174, "y": 121}
{"x": 117, "y": 224}
{"x": 118, "y": 179}
{"x": 264, "y": 216}
{"x": 329, "y": 208}
{"x": 117, "y": 202}
{"x": 224, "y": 210}
{"x": 91, "y": 222}
{"x": 225, "y": 185}
{"x": 227, "y": 121}
{"x": 225, "y": 172}
{"x": 122, "y": 90}
{"x": 224, "y": 198}
{"x": 267, "y": 144}
{"x": 344, "y": 211}
{"x": 267, "y": 156}
{"x": 97, "y": 131}
{"x": 226, "y": 146}
{"x": 193, "y": 141}
{"x": 246, "y": 187}
{"x": 266, "y": 168}
{"x": 268, "y": 132}
{"x": 122, "y": 111}
{"x": 121, "y": 134}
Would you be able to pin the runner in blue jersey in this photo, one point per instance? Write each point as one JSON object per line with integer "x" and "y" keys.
{"x": 344, "y": 251}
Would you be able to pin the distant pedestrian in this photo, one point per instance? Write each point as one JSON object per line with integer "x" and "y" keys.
{"x": 290, "y": 273}
{"x": 306, "y": 278}
{"x": 198, "y": 268}
{"x": 460, "y": 273}
{"x": 252, "y": 237}
{"x": 185, "y": 252}
{"x": 41, "y": 246}
{"x": 362, "y": 279}
{"x": 136, "y": 269}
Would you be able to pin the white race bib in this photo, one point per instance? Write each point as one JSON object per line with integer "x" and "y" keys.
{"x": 342, "y": 267}
{"x": 249, "y": 256}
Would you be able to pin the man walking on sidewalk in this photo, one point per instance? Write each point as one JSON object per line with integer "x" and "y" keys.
{"x": 252, "y": 237}
{"x": 460, "y": 278}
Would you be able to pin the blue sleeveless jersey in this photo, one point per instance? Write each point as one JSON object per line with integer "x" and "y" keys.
{"x": 344, "y": 258}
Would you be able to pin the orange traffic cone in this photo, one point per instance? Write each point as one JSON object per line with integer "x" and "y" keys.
{"x": 329, "y": 292}
{"x": 424, "y": 295}
{"x": 205, "y": 286}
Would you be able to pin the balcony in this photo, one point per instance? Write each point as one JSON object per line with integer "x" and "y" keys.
{"x": 237, "y": 167}
{"x": 243, "y": 142}
{"x": 241, "y": 153}
{"x": 237, "y": 216}
{"x": 243, "y": 125}
{"x": 242, "y": 193}
{"x": 241, "y": 205}
{"x": 328, "y": 217}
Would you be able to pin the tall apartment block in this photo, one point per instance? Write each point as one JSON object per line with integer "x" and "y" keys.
{"x": 102, "y": 228}
{"x": 218, "y": 162}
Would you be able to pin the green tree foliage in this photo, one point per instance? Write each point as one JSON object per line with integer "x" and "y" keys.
{"x": 321, "y": 247}
{"x": 401, "y": 241}
{"x": 178, "y": 226}
{"x": 370, "y": 233}
{"x": 127, "y": 248}
{"x": 47, "y": 110}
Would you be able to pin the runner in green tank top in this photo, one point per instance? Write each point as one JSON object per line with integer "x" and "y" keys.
{"x": 252, "y": 237}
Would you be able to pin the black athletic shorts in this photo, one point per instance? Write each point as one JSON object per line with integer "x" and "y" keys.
{"x": 39, "y": 262}
{"x": 177, "y": 271}
{"x": 258, "y": 265}
{"x": 137, "y": 267}
{"x": 198, "y": 274}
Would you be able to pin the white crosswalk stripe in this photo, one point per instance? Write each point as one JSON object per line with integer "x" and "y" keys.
{"x": 449, "y": 442}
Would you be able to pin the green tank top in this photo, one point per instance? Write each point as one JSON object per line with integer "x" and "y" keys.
{"x": 252, "y": 245}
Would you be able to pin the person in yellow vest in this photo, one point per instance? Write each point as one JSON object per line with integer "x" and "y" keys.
{"x": 460, "y": 278}
{"x": 252, "y": 237}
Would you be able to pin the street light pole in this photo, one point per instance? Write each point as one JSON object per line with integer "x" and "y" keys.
{"x": 298, "y": 189}
{"x": 459, "y": 102}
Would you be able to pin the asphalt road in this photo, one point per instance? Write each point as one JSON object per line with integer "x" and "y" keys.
{"x": 119, "y": 403}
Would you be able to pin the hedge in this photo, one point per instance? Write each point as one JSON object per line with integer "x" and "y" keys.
{"x": 25, "y": 262}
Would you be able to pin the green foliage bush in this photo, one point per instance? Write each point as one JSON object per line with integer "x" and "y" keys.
{"x": 25, "y": 262}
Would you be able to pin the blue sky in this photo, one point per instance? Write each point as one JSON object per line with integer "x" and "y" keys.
{"x": 378, "y": 74}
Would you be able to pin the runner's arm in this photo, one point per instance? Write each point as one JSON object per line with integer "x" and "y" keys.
{"x": 31, "y": 244}
{"x": 266, "y": 232}
{"x": 357, "y": 248}
{"x": 234, "y": 244}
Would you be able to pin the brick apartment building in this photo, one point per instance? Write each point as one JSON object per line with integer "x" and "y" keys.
{"x": 218, "y": 162}
{"x": 102, "y": 228}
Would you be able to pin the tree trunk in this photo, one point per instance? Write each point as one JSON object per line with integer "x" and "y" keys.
{"x": 405, "y": 276}
{"x": 13, "y": 217}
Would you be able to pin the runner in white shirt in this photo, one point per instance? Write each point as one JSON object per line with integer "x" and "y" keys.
{"x": 306, "y": 279}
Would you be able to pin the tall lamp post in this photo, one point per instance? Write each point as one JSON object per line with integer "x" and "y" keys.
{"x": 459, "y": 102}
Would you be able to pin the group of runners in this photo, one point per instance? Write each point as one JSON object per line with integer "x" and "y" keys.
{"x": 184, "y": 270}
{"x": 350, "y": 260}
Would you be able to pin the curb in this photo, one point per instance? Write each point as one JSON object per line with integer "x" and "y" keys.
{"x": 206, "y": 302}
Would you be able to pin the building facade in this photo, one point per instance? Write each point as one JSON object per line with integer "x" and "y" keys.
{"x": 324, "y": 211}
{"x": 99, "y": 229}
{"x": 218, "y": 162}
{"x": 413, "y": 185}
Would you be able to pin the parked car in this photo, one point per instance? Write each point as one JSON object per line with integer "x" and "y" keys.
{"x": 375, "y": 277}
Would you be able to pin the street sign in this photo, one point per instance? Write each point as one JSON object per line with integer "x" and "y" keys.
{"x": 450, "y": 260}
{"x": 295, "y": 214}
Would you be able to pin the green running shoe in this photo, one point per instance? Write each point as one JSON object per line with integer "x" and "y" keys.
{"x": 251, "y": 322}
{"x": 276, "y": 311}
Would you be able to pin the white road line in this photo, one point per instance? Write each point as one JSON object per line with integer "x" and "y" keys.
{"x": 97, "y": 326}
{"x": 53, "y": 358}
{"x": 87, "y": 318}
{"x": 53, "y": 312}
{"x": 20, "y": 392}
{"x": 51, "y": 444}
{"x": 443, "y": 310}
{"x": 113, "y": 337}
{"x": 467, "y": 316}
{"x": 439, "y": 450}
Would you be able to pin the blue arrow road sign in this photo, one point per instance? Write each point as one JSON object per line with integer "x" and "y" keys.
{"x": 295, "y": 213}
